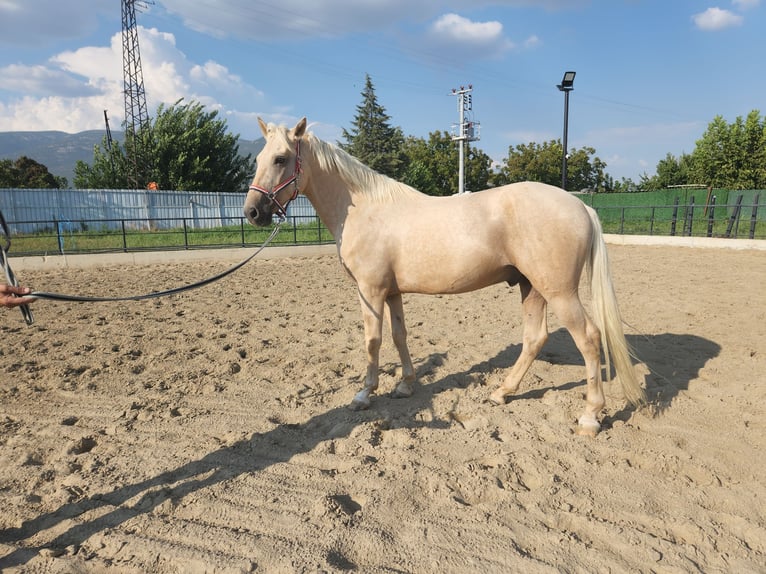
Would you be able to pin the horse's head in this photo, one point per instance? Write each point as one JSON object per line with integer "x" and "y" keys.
{"x": 276, "y": 182}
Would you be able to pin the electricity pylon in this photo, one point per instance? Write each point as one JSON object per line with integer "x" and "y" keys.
{"x": 136, "y": 113}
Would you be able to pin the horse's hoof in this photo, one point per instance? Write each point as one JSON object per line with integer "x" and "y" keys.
{"x": 497, "y": 398}
{"x": 588, "y": 428}
{"x": 361, "y": 401}
{"x": 402, "y": 391}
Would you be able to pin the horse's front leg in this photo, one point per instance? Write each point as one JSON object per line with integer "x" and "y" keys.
{"x": 399, "y": 335}
{"x": 372, "y": 315}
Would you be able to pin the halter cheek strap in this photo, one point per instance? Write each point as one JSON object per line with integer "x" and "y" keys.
{"x": 279, "y": 208}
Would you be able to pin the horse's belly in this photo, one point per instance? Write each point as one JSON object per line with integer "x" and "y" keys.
{"x": 446, "y": 279}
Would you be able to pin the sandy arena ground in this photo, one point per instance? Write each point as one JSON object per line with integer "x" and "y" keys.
{"x": 208, "y": 432}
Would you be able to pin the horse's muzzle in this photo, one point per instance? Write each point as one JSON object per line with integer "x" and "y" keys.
{"x": 258, "y": 212}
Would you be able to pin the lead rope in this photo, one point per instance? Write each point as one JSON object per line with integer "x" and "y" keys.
{"x": 86, "y": 299}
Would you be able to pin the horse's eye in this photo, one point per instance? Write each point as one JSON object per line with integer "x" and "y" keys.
{"x": 279, "y": 160}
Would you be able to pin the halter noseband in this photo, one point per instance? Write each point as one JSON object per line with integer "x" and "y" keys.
{"x": 281, "y": 209}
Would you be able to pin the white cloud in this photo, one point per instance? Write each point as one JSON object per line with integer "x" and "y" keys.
{"x": 456, "y": 38}
{"x": 70, "y": 92}
{"x": 716, "y": 19}
{"x": 532, "y": 42}
{"x": 41, "y": 81}
{"x": 455, "y": 28}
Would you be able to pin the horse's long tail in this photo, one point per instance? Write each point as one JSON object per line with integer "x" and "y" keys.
{"x": 607, "y": 316}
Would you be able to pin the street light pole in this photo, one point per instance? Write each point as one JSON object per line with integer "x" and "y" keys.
{"x": 566, "y": 86}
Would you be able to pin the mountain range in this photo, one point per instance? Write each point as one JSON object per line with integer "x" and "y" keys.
{"x": 59, "y": 151}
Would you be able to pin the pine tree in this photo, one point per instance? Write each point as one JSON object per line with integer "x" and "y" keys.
{"x": 372, "y": 140}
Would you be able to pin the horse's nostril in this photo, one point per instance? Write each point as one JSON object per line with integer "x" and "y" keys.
{"x": 252, "y": 213}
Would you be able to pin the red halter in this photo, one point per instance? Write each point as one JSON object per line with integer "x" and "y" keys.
{"x": 281, "y": 209}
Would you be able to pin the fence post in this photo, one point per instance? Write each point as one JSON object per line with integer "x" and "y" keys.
{"x": 59, "y": 237}
{"x": 710, "y": 216}
{"x": 689, "y": 218}
{"x": 242, "y": 230}
{"x": 651, "y": 222}
{"x": 186, "y": 235}
{"x": 734, "y": 216}
{"x": 124, "y": 236}
{"x": 674, "y": 218}
{"x": 754, "y": 215}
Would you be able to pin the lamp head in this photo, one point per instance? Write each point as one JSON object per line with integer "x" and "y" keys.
{"x": 567, "y": 82}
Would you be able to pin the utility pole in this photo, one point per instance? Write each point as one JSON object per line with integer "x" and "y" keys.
{"x": 109, "y": 140}
{"x": 108, "y": 132}
{"x": 466, "y": 130}
{"x": 136, "y": 114}
{"x": 566, "y": 86}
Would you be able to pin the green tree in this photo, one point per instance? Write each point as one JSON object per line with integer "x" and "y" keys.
{"x": 533, "y": 162}
{"x": 585, "y": 170}
{"x": 750, "y": 160}
{"x": 625, "y": 185}
{"x": 189, "y": 148}
{"x": 108, "y": 171}
{"x": 478, "y": 169}
{"x": 26, "y": 173}
{"x": 433, "y": 165}
{"x": 670, "y": 171}
{"x": 731, "y": 156}
{"x": 372, "y": 140}
{"x": 192, "y": 150}
{"x": 542, "y": 162}
{"x": 711, "y": 161}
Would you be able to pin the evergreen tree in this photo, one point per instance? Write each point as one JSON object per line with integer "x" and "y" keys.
{"x": 372, "y": 140}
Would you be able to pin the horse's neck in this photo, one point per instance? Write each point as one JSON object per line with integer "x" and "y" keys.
{"x": 331, "y": 198}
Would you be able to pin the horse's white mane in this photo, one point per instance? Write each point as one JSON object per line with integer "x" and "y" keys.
{"x": 359, "y": 177}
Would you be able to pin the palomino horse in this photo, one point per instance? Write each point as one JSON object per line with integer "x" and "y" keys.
{"x": 392, "y": 239}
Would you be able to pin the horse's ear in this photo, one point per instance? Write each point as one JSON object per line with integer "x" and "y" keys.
{"x": 300, "y": 128}
{"x": 264, "y": 127}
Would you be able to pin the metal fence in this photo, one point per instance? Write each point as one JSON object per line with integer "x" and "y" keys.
{"x": 109, "y": 220}
{"x": 36, "y": 210}
{"x": 730, "y": 220}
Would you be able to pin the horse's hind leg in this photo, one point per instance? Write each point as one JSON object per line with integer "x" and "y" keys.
{"x": 587, "y": 337}
{"x": 534, "y": 337}
{"x": 399, "y": 334}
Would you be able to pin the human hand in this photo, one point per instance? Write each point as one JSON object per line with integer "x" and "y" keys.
{"x": 14, "y": 296}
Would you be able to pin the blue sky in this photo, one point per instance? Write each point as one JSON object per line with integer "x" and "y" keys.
{"x": 651, "y": 74}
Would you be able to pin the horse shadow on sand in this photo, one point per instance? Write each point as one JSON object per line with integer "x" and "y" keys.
{"x": 669, "y": 361}
{"x": 673, "y": 359}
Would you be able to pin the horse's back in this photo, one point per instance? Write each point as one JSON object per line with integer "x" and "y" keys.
{"x": 464, "y": 242}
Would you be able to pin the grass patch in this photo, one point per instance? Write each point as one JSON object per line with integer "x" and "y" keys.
{"x": 128, "y": 238}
